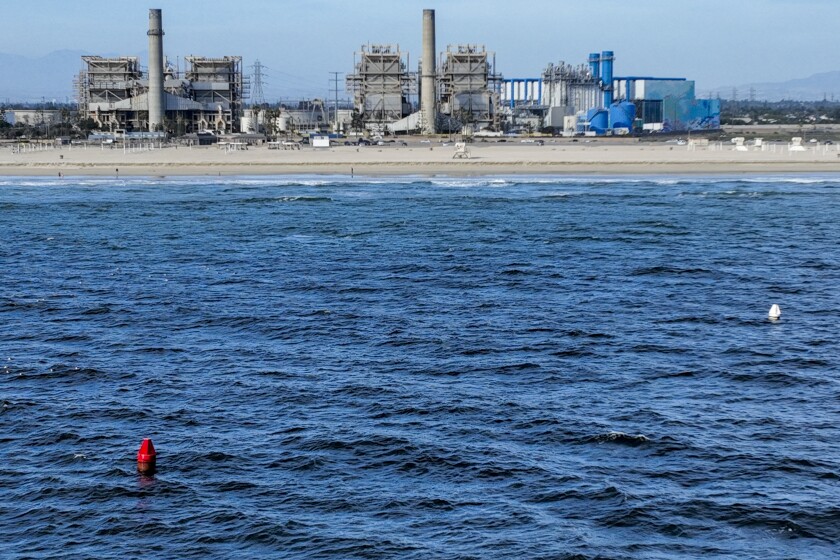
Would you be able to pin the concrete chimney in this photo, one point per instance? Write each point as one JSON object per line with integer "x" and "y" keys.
{"x": 428, "y": 104}
{"x": 157, "y": 104}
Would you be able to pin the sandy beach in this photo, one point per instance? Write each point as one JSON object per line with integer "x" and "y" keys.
{"x": 556, "y": 156}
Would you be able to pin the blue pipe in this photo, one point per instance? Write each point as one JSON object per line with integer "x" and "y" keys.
{"x": 513, "y": 82}
{"x": 594, "y": 68}
{"x": 607, "y": 76}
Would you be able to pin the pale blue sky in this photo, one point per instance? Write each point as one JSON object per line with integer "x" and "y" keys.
{"x": 716, "y": 42}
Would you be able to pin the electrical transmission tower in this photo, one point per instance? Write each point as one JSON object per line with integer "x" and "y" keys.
{"x": 257, "y": 96}
{"x": 335, "y": 91}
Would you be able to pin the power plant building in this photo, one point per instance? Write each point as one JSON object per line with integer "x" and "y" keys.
{"x": 380, "y": 85}
{"x": 117, "y": 94}
{"x": 605, "y": 104}
{"x": 568, "y": 90}
{"x": 457, "y": 89}
{"x": 219, "y": 86}
{"x": 469, "y": 88}
{"x": 669, "y": 104}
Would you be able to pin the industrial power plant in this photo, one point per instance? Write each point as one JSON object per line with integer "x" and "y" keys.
{"x": 457, "y": 90}
{"x": 116, "y": 94}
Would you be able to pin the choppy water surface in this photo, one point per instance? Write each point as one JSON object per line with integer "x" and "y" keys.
{"x": 413, "y": 368}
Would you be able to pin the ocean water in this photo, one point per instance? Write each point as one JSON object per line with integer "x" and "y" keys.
{"x": 527, "y": 367}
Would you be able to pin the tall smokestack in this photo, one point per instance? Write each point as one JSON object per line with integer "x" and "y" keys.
{"x": 607, "y": 76}
{"x": 156, "y": 99}
{"x": 595, "y": 65}
{"x": 428, "y": 105}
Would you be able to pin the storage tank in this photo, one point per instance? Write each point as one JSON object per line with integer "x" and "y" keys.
{"x": 598, "y": 120}
{"x": 629, "y": 111}
{"x": 622, "y": 115}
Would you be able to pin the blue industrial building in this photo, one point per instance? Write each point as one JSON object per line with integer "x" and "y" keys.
{"x": 669, "y": 102}
{"x": 591, "y": 99}
{"x": 639, "y": 103}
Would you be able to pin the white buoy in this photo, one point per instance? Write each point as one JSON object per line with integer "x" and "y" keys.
{"x": 775, "y": 312}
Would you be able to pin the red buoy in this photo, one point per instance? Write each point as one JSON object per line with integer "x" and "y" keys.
{"x": 146, "y": 457}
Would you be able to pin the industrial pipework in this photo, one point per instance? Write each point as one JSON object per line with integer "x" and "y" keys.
{"x": 428, "y": 105}
{"x": 155, "y": 95}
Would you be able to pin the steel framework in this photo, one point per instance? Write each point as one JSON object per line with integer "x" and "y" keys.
{"x": 469, "y": 87}
{"x": 381, "y": 84}
{"x": 571, "y": 87}
{"x": 210, "y": 94}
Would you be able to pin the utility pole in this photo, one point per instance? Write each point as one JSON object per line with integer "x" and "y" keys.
{"x": 335, "y": 90}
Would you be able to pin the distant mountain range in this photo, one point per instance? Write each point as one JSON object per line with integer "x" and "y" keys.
{"x": 33, "y": 79}
{"x": 50, "y": 78}
{"x": 813, "y": 88}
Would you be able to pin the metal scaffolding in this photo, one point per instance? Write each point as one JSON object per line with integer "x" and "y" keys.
{"x": 381, "y": 84}
{"x": 469, "y": 87}
{"x": 220, "y": 87}
{"x": 114, "y": 93}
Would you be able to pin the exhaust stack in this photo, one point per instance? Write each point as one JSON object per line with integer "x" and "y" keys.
{"x": 595, "y": 65}
{"x": 607, "y": 59}
{"x": 156, "y": 99}
{"x": 428, "y": 104}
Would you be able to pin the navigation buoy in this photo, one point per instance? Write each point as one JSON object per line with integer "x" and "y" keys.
{"x": 775, "y": 312}
{"x": 146, "y": 457}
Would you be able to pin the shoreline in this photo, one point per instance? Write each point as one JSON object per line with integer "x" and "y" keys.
{"x": 485, "y": 160}
{"x": 412, "y": 170}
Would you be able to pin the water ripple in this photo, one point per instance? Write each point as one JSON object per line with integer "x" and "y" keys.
{"x": 512, "y": 367}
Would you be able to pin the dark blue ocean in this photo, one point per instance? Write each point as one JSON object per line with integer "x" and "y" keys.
{"x": 537, "y": 367}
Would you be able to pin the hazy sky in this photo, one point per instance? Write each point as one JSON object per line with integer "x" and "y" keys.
{"x": 715, "y": 42}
